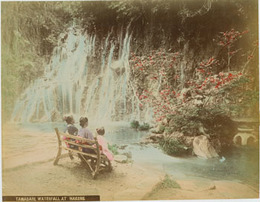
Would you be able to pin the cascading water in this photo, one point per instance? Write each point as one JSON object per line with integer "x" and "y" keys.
{"x": 79, "y": 81}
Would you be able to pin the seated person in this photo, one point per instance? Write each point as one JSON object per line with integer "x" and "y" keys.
{"x": 103, "y": 143}
{"x": 71, "y": 129}
{"x": 85, "y": 133}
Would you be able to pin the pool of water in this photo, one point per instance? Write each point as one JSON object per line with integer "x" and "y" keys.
{"x": 238, "y": 163}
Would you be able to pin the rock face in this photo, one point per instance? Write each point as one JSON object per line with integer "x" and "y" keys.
{"x": 153, "y": 138}
{"x": 203, "y": 148}
{"x": 186, "y": 140}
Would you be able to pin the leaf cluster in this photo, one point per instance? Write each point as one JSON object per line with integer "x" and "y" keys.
{"x": 174, "y": 147}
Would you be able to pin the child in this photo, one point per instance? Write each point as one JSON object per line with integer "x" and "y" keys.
{"x": 103, "y": 143}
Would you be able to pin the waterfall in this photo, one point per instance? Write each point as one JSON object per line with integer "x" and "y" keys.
{"x": 80, "y": 81}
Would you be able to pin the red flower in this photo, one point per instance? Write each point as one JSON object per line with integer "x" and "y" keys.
{"x": 245, "y": 32}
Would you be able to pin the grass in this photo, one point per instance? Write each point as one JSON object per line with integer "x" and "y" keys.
{"x": 113, "y": 148}
{"x": 167, "y": 182}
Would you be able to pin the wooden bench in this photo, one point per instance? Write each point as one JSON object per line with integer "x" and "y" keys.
{"x": 95, "y": 160}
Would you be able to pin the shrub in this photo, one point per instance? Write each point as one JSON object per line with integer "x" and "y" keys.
{"x": 113, "y": 148}
{"x": 143, "y": 127}
{"x": 168, "y": 130}
{"x": 134, "y": 124}
{"x": 174, "y": 147}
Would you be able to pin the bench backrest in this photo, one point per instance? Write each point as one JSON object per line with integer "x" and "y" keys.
{"x": 80, "y": 142}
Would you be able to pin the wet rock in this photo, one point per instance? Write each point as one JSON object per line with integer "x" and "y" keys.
{"x": 156, "y": 137}
{"x": 153, "y": 138}
{"x": 177, "y": 135}
{"x": 146, "y": 141}
{"x": 203, "y": 148}
{"x": 128, "y": 154}
{"x": 165, "y": 121}
{"x": 188, "y": 141}
{"x": 120, "y": 158}
{"x": 159, "y": 129}
{"x": 122, "y": 147}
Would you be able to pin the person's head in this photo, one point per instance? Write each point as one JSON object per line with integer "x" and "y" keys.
{"x": 69, "y": 119}
{"x": 100, "y": 131}
{"x": 83, "y": 122}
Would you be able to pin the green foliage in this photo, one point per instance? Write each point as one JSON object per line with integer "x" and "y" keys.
{"x": 169, "y": 130}
{"x": 214, "y": 120}
{"x": 161, "y": 129}
{"x": 135, "y": 124}
{"x": 186, "y": 120}
{"x": 29, "y": 33}
{"x": 144, "y": 126}
{"x": 174, "y": 147}
{"x": 243, "y": 97}
{"x": 113, "y": 148}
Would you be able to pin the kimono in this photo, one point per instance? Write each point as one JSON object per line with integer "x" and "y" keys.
{"x": 86, "y": 133}
{"x": 104, "y": 147}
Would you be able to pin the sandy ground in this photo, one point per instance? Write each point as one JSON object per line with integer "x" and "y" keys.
{"x": 30, "y": 171}
{"x": 126, "y": 181}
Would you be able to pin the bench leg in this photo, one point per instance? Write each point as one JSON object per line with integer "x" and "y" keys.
{"x": 107, "y": 164}
{"x": 110, "y": 168}
{"x": 58, "y": 156}
{"x": 94, "y": 175}
{"x": 91, "y": 165}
